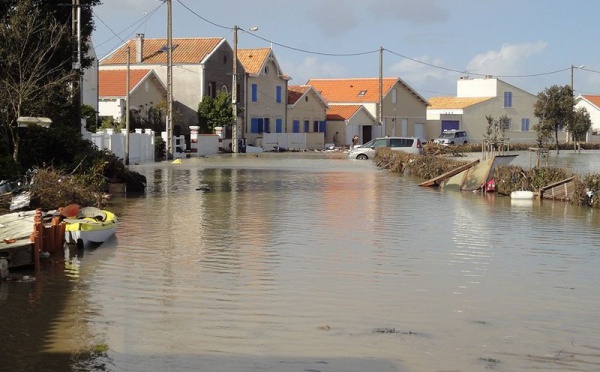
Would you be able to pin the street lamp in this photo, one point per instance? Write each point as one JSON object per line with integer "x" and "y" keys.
{"x": 235, "y": 131}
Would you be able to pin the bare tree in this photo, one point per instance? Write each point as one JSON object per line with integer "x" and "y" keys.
{"x": 33, "y": 66}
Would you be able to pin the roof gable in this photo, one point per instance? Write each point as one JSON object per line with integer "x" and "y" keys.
{"x": 441, "y": 103}
{"x": 254, "y": 60}
{"x": 185, "y": 51}
{"x": 112, "y": 83}
{"x": 296, "y": 92}
{"x": 593, "y": 99}
{"x": 360, "y": 90}
{"x": 345, "y": 112}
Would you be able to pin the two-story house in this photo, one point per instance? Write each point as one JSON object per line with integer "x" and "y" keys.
{"x": 477, "y": 98}
{"x": 399, "y": 110}
{"x": 266, "y": 85}
{"x": 200, "y": 67}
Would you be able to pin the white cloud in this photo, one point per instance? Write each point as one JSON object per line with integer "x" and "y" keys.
{"x": 422, "y": 73}
{"x": 511, "y": 59}
{"x": 310, "y": 68}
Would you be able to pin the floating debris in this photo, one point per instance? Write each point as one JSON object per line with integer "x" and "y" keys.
{"x": 324, "y": 328}
{"x": 393, "y": 330}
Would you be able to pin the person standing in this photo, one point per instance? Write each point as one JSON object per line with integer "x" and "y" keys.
{"x": 354, "y": 141}
{"x": 336, "y": 139}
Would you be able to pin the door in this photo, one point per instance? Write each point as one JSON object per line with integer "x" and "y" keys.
{"x": 366, "y": 133}
{"x": 449, "y": 124}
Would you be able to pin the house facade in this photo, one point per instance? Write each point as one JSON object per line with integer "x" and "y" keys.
{"x": 402, "y": 111}
{"x": 265, "y": 85}
{"x": 342, "y": 119}
{"x": 592, "y": 104}
{"x": 200, "y": 67}
{"x": 145, "y": 90}
{"x": 306, "y": 112}
{"x": 477, "y": 98}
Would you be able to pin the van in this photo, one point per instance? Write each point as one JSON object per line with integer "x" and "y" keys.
{"x": 411, "y": 145}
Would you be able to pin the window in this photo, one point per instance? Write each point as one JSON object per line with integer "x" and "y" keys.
{"x": 267, "y": 127}
{"x": 508, "y": 99}
{"x": 394, "y": 96}
{"x": 278, "y": 93}
{"x": 296, "y": 126}
{"x": 212, "y": 89}
{"x": 525, "y": 125}
{"x": 362, "y": 93}
{"x": 278, "y": 125}
{"x": 306, "y": 126}
{"x": 254, "y": 93}
{"x": 401, "y": 142}
{"x": 505, "y": 124}
{"x": 315, "y": 126}
{"x": 266, "y": 70}
{"x": 224, "y": 89}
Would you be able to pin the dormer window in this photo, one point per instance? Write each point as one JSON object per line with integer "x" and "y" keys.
{"x": 266, "y": 70}
{"x": 362, "y": 93}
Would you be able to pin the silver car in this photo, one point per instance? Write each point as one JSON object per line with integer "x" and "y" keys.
{"x": 411, "y": 145}
{"x": 452, "y": 137}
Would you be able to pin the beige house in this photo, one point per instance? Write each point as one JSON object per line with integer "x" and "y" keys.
{"x": 307, "y": 111}
{"x": 402, "y": 111}
{"x": 200, "y": 67}
{"x": 266, "y": 91}
{"x": 477, "y": 98}
{"x": 145, "y": 89}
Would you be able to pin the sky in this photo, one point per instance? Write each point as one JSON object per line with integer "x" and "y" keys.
{"x": 429, "y": 44}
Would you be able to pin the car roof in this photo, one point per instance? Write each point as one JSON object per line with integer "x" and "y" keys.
{"x": 395, "y": 137}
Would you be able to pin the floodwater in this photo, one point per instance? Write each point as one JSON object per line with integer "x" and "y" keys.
{"x": 311, "y": 262}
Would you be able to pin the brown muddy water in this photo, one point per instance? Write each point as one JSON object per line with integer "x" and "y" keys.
{"x": 311, "y": 262}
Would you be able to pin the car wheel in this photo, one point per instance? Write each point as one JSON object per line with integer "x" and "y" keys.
{"x": 465, "y": 143}
{"x": 362, "y": 157}
{"x": 452, "y": 143}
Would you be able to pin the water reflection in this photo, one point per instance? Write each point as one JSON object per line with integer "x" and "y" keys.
{"x": 291, "y": 263}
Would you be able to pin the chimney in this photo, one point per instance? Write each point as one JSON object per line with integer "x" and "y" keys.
{"x": 139, "y": 48}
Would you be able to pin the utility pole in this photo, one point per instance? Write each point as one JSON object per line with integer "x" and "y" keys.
{"x": 169, "y": 118}
{"x": 127, "y": 109}
{"x": 234, "y": 132}
{"x": 380, "y": 114}
{"x": 76, "y": 30}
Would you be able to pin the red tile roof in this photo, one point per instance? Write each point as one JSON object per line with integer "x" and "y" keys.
{"x": 253, "y": 59}
{"x": 595, "y": 100}
{"x": 185, "y": 51}
{"x": 112, "y": 83}
{"x": 360, "y": 90}
{"x": 440, "y": 103}
{"x": 342, "y": 112}
{"x": 295, "y": 92}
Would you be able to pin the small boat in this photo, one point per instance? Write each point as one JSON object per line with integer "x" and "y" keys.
{"x": 522, "y": 195}
{"x": 91, "y": 226}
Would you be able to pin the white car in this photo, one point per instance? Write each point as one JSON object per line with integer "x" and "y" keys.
{"x": 367, "y": 151}
{"x": 452, "y": 137}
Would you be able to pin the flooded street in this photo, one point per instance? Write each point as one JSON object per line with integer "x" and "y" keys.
{"x": 311, "y": 262}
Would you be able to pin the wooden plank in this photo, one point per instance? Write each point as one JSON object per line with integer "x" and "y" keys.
{"x": 435, "y": 181}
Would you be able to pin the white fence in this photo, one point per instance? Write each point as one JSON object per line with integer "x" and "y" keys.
{"x": 141, "y": 144}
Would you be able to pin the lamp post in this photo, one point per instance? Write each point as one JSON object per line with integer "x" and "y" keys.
{"x": 572, "y": 68}
{"x": 234, "y": 104}
{"x": 234, "y": 132}
{"x": 169, "y": 118}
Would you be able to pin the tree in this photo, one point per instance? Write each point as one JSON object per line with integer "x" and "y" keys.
{"x": 215, "y": 112}
{"x": 580, "y": 124}
{"x": 36, "y": 55}
{"x": 554, "y": 108}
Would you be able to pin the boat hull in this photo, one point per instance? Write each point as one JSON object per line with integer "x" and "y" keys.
{"x": 85, "y": 231}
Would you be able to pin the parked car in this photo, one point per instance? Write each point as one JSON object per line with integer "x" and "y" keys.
{"x": 367, "y": 151}
{"x": 452, "y": 137}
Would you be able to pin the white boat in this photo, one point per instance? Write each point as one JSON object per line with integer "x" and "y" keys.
{"x": 92, "y": 226}
{"x": 522, "y": 195}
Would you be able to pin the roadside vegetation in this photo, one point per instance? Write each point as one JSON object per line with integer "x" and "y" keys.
{"x": 37, "y": 79}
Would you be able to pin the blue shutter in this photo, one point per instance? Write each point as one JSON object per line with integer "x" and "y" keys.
{"x": 322, "y": 127}
{"x": 254, "y": 92}
{"x": 278, "y": 94}
{"x": 525, "y": 125}
{"x": 254, "y": 125}
{"x": 507, "y": 99}
{"x": 261, "y": 127}
{"x": 278, "y": 125}
{"x": 296, "y": 126}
